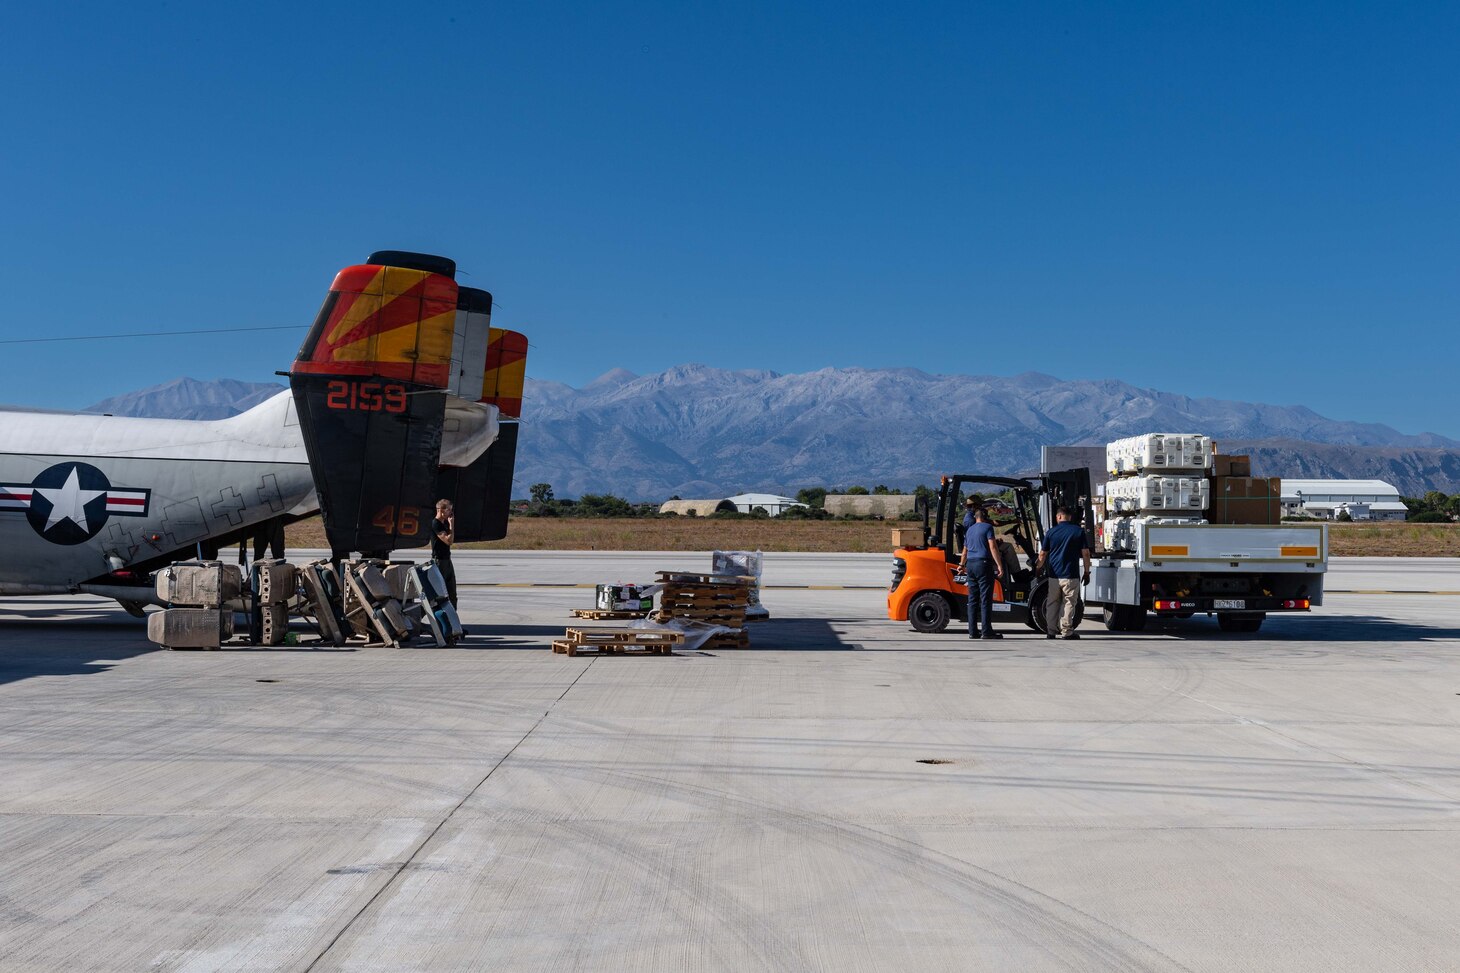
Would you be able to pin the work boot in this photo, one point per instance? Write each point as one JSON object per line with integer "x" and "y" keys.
{"x": 1072, "y": 635}
{"x": 1050, "y": 635}
{"x": 992, "y": 635}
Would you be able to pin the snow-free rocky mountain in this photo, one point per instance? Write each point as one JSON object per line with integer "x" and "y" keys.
{"x": 188, "y": 398}
{"x": 698, "y": 431}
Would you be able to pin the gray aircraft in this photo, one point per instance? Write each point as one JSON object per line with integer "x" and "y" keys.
{"x": 401, "y": 393}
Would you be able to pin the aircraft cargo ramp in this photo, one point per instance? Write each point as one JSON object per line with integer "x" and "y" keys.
{"x": 845, "y": 795}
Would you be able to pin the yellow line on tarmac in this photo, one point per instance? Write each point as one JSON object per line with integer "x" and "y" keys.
{"x": 570, "y": 584}
{"x": 1377, "y": 591}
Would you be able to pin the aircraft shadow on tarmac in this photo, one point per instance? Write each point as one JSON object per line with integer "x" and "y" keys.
{"x": 31, "y": 658}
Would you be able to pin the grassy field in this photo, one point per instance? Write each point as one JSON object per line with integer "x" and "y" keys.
{"x": 856, "y": 536}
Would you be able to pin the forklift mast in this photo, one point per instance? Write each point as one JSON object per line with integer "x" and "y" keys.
{"x": 1035, "y": 500}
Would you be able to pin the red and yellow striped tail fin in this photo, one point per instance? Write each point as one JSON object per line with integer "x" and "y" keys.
{"x": 386, "y": 322}
{"x": 506, "y": 371}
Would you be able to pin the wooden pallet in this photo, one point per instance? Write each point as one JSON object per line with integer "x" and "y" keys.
{"x": 623, "y": 636}
{"x": 727, "y": 618}
{"x": 719, "y": 580}
{"x": 617, "y": 641}
{"x": 605, "y": 615}
{"x": 728, "y": 640}
{"x": 569, "y": 647}
{"x": 675, "y": 594}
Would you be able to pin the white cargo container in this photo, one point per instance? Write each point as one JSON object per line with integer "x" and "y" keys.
{"x": 1167, "y": 494}
{"x": 1124, "y": 534}
{"x": 1157, "y": 452}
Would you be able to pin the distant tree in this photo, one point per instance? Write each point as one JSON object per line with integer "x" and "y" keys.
{"x": 814, "y": 497}
{"x": 1430, "y": 517}
{"x": 676, "y": 497}
{"x": 880, "y": 490}
{"x": 857, "y": 491}
{"x": 603, "y": 505}
{"x": 1435, "y": 500}
{"x": 759, "y": 512}
{"x": 1344, "y": 517}
{"x": 541, "y": 493}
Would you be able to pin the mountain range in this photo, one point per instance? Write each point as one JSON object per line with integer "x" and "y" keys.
{"x": 188, "y": 398}
{"x": 698, "y": 431}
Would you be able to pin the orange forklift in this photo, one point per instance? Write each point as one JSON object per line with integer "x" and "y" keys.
{"x": 927, "y": 589}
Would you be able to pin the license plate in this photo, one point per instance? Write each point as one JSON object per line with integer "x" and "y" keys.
{"x": 1229, "y": 603}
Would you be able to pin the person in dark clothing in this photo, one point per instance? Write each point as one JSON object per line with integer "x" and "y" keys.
{"x": 270, "y": 537}
{"x": 443, "y": 535}
{"x": 1064, "y": 549}
{"x": 982, "y": 564}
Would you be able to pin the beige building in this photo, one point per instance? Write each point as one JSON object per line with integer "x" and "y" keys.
{"x": 888, "y": 507}
{"x": 697, "y": 508}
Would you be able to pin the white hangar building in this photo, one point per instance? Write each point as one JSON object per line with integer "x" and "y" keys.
{"x": 1324, "y": 498}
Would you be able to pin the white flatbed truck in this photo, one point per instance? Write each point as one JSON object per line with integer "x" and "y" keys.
{"x": 1241, "y": 574}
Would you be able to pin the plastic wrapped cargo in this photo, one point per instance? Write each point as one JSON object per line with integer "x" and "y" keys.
{"x": 743, "y": 564}
{"x": 1136, "y": 494}
{"x": 1158, "y": 452}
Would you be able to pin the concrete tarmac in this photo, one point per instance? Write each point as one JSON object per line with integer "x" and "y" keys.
{"x": 847, "y": 795}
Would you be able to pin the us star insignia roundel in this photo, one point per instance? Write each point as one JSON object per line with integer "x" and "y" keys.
{"x": 69, "y": 503}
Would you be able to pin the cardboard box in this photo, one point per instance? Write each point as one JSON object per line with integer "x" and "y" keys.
{"x": 1246, "y": 500}
{"x": 907, "y": 537}
{"x": 1225, "y": 465}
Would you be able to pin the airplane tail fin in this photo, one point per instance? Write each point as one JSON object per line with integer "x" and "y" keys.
{"x": 491, "y": 370}
{"x": 370, "y": 384}
{"x": 482, "y": 491}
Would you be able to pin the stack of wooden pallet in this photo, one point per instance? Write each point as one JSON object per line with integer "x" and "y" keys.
{"x": 710, "y": 598}
{"x": 606, "y": 615}
{"x": 617, "y": 641}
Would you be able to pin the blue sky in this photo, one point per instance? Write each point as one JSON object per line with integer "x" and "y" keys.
{"x": 1249, "y": 201}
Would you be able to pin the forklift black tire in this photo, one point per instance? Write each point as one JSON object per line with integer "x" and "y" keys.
{"x": 1240, "y": 623}
{"x": 929, "y": 612}
{"x": 1036, "y": 608}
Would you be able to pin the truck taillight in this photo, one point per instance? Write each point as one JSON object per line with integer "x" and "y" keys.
{"x": 1297, "y": 603}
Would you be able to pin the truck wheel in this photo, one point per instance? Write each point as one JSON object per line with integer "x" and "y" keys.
{"x": 929, "y": 612}
{"x": 1124, "y": 618}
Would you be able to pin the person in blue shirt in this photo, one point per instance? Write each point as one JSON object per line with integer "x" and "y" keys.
{"x": 982, "y": 564}
{"x": 1065, "y": 545}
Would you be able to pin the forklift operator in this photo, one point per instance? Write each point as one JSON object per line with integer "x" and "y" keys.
{"x": 981, "y": 561}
